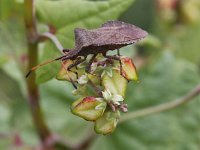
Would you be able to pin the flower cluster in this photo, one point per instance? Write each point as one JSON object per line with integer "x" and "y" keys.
{"x": 101, "y": 92}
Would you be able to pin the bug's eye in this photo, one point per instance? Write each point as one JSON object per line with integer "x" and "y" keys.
{"x": 66, "y": 50}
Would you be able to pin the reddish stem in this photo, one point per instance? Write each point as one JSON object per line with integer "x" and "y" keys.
{"x": 33, "y": 93}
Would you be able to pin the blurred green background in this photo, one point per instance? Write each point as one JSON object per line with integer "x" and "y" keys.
{"x": 168, "y": 64}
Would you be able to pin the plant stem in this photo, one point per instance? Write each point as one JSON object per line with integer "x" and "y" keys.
{"x": 33, "y": 92}
{"x": 54, "y": 39}
{"x": 162, "y": 107}
{"x": 86, "y": 142}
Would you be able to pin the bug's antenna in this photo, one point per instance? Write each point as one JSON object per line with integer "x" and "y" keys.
{"x": 42, "y": 64}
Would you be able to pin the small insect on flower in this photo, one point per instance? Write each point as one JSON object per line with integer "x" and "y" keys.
{"x": 112, "y": 35}
{"x": 100, "y": 80}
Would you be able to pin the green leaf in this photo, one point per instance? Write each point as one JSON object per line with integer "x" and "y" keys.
{"x": 13, "y": 46}
{"x": 14, "y": 109}
{"x": 3, "y": 60}
{"x": 186, "y": 43}
{"x": 12, "y": 69}
{"x": 47, "y": 72}
{"x": 4, "y": 117}
{"x": 79, "y": 12}
{"x": 72, "y": 14}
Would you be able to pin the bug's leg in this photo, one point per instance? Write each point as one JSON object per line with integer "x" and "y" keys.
{"x": 43, "y": 64}
{"x": 116, "y": 58}
{"x": 76, "y": 63}
{"x": 88, "y": 67}
{"x": 73, "y": 83}
{"x": 113, "y": 57}
{"x": 69, "y": 55}
{"x": 67, "y": 58}
{"x": 120, "y": 62}
{"x": 70, "y": 67}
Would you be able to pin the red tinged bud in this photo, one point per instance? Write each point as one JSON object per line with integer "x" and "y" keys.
{"x": 64, "y": 74}
{"x": 129, "y": 69}
{"x": 89, "y": 108}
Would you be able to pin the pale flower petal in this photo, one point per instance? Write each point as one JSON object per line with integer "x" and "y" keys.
{"x": 83, "y": 79}
{"x": 107, "y": 95}
{"x": 109, "y": 72}
{"x": 117, "y": 98}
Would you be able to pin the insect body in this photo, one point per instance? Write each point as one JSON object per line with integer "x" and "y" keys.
{"x": 111, "y": 35}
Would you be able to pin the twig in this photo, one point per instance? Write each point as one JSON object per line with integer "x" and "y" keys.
{"x": 54, "y": 39}
{"x": 86, "y": 143}
{"x": 162, "y": 107}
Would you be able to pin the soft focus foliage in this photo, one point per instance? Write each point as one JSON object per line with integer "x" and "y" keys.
{"x": 168, "y": 65}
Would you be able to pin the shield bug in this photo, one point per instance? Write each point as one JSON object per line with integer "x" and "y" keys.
{"x": 112, "y": 35}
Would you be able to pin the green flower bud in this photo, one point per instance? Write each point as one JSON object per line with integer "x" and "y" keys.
{"x": 107, "y": 123}
{"x": 116, "y": 84}
{"x": 104, "y": 80}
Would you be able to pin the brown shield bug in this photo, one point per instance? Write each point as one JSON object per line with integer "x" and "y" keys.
{"x": 112, "y": 35}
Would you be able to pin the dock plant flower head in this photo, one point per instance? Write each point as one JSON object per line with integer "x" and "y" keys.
{"x": 102, "y": 91}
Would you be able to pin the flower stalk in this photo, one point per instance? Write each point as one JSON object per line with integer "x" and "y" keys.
{"x": 33, "y": 92}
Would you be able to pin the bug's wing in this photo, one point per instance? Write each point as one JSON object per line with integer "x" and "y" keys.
{"x": 111, "y": 33}
{"x": 115, "y": 23}
{"x": 117, "y": 33}
{"x": 82, "y": 37}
